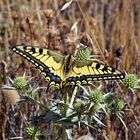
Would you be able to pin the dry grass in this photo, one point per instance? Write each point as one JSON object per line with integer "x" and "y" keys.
{"x": 112, "y": 25}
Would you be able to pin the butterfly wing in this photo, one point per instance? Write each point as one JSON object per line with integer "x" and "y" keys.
{"x": 49, "y": 62}
{"x": 84, "y": 71}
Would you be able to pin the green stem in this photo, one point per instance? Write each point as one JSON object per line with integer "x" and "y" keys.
{"x": 64, "y": 135}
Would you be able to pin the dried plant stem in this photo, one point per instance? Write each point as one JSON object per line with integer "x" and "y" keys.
{"x": 108, "y": 125}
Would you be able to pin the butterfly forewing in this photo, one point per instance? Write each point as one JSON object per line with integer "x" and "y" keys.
{"x": 45, "y": 60}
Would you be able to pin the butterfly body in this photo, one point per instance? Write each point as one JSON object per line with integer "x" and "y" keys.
{"x": 66, "y": 70}
{"x": 68, "y": 64}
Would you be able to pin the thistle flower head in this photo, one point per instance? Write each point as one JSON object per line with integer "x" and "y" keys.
{"x": 130, "y": 81}
{"x": 83, "y": 53}
{"x": 79, "y": 106}
{"x": 20, "y": 82}
{"x": 96, "y": 108}
{"x": 119, "y": 105}
{"x": 114, "y": 103}
{"x": 96, "y": 96}
{"x": 32, "y": 132}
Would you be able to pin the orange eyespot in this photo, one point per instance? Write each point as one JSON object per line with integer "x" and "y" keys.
{"x": 64, "y": 82}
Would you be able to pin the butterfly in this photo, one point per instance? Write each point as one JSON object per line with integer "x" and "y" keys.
{"x": 62, "y": 70}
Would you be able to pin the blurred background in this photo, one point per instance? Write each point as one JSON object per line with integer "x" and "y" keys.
{"x": 110, "y": 28}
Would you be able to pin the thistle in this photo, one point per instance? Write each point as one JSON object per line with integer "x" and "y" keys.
{"x": 130, "y": 81}
{"x": 32, "y": 132}
{"x": 119, "y": 105}
{"x": 96, "y": 96}
{"x": 20, "y": 82}
{"x": 79, "y": 106}
{"x": 83, "y": 53}
{"x": 95, "y": 108}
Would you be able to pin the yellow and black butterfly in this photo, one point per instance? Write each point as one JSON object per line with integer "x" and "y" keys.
{"x": 67, "y": 70}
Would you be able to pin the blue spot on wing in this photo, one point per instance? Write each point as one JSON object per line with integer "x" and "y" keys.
{"x": 71, "y": 79}
{"x": 56, "y": 79}
{"x": 53, "y": 77}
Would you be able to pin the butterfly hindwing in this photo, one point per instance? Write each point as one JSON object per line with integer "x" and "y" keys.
{"x": 49, "y": 62}
{"x": 86, "y": 71}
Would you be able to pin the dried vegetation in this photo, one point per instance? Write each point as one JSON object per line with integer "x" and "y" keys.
{"x": 113, "y": 31}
